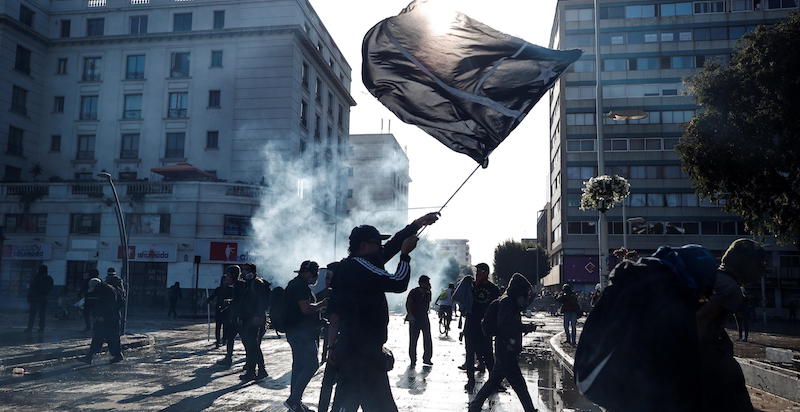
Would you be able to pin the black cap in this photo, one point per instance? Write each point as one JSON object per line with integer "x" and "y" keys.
{"x": 482, "y": 266}
{"x": 366, "y": 233}
{"x": 111, "y": 271}
{"x": 424, "y": 279}
{"x": 308, "y": 265}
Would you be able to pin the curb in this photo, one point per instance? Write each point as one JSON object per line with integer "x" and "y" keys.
{"x": 563, "y": 357}
{"x": 45, "y": 357}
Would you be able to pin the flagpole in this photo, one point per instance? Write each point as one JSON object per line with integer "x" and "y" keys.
{"x": 452, "y": 196}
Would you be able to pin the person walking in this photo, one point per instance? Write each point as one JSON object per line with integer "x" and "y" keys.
{"x": 569, "y": 308}
{"x": 417, "y": 304}
{"x": 82, "y": 294}
{"x": 477, "y": 344}
{"x": 41, "y": 286}
{"x": 115, "y": 281}
{"x": 445, "y": 303}
{"x": 302, "y": 331}
{"x": 222, "y": 298}
{"x": 251, "y": 297}
{"x": 463, "y": 296}
{"x": 229, "y": 313}
{"x": 174, "y": 295}
{"x": 742, "y": 316}
{"x": 793, "y": 309}
{"x": 330, "y": 376}
{"x": 105, "y": 311}
{"x": 359, "y": 302}
{"x": 506, "y": 321}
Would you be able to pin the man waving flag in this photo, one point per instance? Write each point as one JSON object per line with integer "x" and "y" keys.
{"x": 461, "y": 81}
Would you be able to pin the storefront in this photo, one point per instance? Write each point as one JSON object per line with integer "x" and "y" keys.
{"x": 19, "y": 263}
{"x": 149, "y": 266}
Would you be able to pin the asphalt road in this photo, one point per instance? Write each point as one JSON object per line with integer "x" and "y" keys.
{"x": 181, "y": 374}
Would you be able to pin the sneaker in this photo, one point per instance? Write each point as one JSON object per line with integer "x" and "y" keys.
{"x": 501, "y": 388}
{"x": 262, "y": 374}
{"x": 462, "y": 367}
{"x": 470, "y": 386}
{"x": 306, "y": 408}
{"x": 474, "y": 407}
{"x": 247, "y": 376}
{"x": 293, "y": 407}
{"x": 427, "y": 362}
{"x": 116, "y": 359}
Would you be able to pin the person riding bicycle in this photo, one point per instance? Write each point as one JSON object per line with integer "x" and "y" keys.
{"x": 445, "y": 303}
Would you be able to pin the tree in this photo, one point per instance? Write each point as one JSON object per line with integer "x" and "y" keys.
{"x": 515, "y": 257}
{"x": 743, "y": 147}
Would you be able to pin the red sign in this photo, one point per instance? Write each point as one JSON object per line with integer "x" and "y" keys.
{"x": 131, "y": 252}
{"x": 224, "y": 251}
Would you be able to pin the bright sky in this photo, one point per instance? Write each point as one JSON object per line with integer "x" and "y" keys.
{"x": 498, "y": 203}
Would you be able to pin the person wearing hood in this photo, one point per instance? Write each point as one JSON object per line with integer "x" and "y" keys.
{"x": 105, "y": 311}
{"x": 40, "y": 287}
{"x": 724, "y": 387}
{"x": 476, "y": 343}
{"x": 251, "y": 299}
{"x": 508, "y": 343}
{"x": 570, "y": 308}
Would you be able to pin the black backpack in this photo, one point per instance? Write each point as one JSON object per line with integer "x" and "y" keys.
{"x": 489, "y": 322}
{"x": 638, "y": 350}
{"x": 277, "y": 309}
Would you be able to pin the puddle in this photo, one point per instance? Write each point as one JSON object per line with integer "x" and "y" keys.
{"x": 557, "y": 391}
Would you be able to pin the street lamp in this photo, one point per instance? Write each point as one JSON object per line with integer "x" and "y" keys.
{"x": 123, "y": 237}
{"x": 622, "y": 115}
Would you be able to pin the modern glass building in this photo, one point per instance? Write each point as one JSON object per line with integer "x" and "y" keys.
{"x": 647, "y": 48}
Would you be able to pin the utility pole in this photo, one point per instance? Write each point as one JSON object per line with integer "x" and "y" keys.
{"x": 602, "y": 225}
{"x": 123, "y": 239}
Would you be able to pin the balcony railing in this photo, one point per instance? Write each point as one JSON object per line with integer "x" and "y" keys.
{"x": 149, "y": 189}
{"x": 91, "y": 189}
{"x": 27, "y": 189}
{"x": 244, "y": 191}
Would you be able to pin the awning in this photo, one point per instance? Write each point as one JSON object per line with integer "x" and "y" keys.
{"x": 182, "y": 171}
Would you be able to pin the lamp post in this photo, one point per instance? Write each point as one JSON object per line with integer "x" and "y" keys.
{"x": 123, "y": 238}
{"x": 602, "y": 230}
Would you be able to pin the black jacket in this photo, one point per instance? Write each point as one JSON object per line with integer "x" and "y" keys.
{"x": 105, "y": 303}
{"x": 251, "y": 298}
{"x": 509, "y": 319}
{"x": 41, "y": 286}
{"x": 358, "y": 294}
{"x": 222, "y": 297}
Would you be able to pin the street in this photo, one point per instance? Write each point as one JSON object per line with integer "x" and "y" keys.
{"x": 180, "y": 374}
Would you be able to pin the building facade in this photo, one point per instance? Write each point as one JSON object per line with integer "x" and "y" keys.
{"x": 458, "y": 249}
{"x": 647, "y": 48}
{"x": 179, "y": 101}
{"x": 378, "y": 185}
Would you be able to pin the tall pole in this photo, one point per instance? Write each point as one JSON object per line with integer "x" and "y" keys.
{"x": 602, "y": 229}
{"x": 624, "y": 225}
{"x": 123, "y": 238}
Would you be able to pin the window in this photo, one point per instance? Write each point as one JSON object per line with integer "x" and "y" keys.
{"x": 84, "y": 223}
{"x": 655, "y": 200}
{"x": 676, "y": 9}
{"x": 95, "y": 27}
{"x": 182, "y": 22}
{"x": 330, "y": 105}
{"x": 667, "y": 36}
{"x": 127, "y": 176}
{"x": 781, "y": 4}
{"x": 58, "y": 104}
{"x": 61, "y": 66}
{"x": 583, "y": 66}
{"x": 727, "y": 228}
{"x": 55, "y": 143}
{"x": 682, "y": 62}
{"x": 304, "y": 113}
{"x": 340, "y": 118}
{"x": 19, "y": 100}
{"x": 632, "y": 12}
{"x": 583, "y": 173}
{"x": 178, "y": 104}
{"x": 26, "y": 223}
{"x": 651, "y": 37}
{"x": 648, "y": 63}
{"x": 580, "y": 92}
{"x": 212, "y": 139}
{"x": 133, "y": 106}
{"x": 672, "y": 172}
{"x": 91, "y": 69}
{"x": 578, "y": 40}
{"x": 216, "y": 58}
{"x": 318, "y": 90}
{"x": 237, "y": 225}
{"x": 134, "y": 67}
{"x": 22, "y": 62}
{"x": 304, "y": 75}
{"x": 702, "y": 7}
{"x": 615, "y": 65}
{"x": 219, "y": 19}
{"x": 709, "y": 228}
{"x": 582, "y": 145}
{"x": 580, "y": 119}
{"x": 615, "y": 12}
{"x": 129, "y": 146}
{"x": 581, "y": 228}
{"x": 138, "y": 25}
{"x": 736, "y": 32}
{"x": 26, "y": 15}
{"x": 317, "y": 127}
{"x": 689, "y": 199}
{"x": 175, "y": 145}
{"x": 579, "y": 15}
{"x": 15, "y": 137}
{"x": 214, "y": 99}
{"x": 85, "y": 147}
{"x": 88, "y": 108}
{"x": 147, "y": 223}
{"x": 84, "y": 176}
{"x": 12, "y": 174}
{"x": 179, "y": 66}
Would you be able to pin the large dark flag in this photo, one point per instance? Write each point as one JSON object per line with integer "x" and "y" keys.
{"x": 461, "y": 81}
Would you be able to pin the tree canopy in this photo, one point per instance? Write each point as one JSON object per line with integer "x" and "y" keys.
{"x": 517, "y": 257}
{"x": 743, "y": 147}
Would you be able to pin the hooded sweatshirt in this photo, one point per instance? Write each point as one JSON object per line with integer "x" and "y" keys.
{"x": 509, "y": 319}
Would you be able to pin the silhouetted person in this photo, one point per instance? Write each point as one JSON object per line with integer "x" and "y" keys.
{"x": 251, "y": 297}
{"x": 302, "y": 331}
{"x": 508, "y": 345}
{"x": 417, "y": 304}
{"x": 793, "y": 310}
{"x": 330, "y": 377}
{"x": 478, "y": 345}
{"x": 173, "y": 294}
{"x": 222, "y": 298}
{"x": 87, "y": 307}
{"x": 231, "y": 327}
{"x": 105, "y": 311}
{"x": 570, "y": 308}
{"x": 116, "y": 282}
{"x": 40, "y": 287}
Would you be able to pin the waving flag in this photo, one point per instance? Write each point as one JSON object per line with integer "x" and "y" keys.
{"x": 464, "y": 83}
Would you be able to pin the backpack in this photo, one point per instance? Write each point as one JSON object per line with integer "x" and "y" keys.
{"x": 489, "y": 322}
{"x": 277, "y": 309}
{"x": 638, "y": 349}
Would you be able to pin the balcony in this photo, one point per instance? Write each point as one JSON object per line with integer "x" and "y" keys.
{"x": 139, "y": 189}
{"x": 27, "y": 189}
{"x": 244, "y": 191}
{"x": 91, "y": 189}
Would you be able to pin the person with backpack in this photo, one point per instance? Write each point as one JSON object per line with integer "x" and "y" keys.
{"x": 228, "y": 313}
{"x": 105, "y": 310}
{"x": 477, "y": 344}
{"x": 251, "y": 298}
{"x": 503, "y": 319}
{"x": 570, "y": 309}
{"x": 41, "y": 285}
{"x": 302, "y": 331}
{"x": 723, "y": 382}
{"x": 119, "y": 288}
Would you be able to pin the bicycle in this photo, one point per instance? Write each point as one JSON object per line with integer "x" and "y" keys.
{"x": 445, "y": 317}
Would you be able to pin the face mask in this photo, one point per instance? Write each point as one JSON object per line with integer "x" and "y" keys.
{"x": 249, "y": 276}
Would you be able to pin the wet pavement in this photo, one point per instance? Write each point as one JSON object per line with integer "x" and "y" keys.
{"x": 180, "y": 374}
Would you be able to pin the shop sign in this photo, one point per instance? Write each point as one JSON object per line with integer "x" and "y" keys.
{"x": 150, "y": 253}
{"x": 30, "y": 251}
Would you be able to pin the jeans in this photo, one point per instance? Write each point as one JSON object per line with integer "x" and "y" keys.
{"x": 305, "y": 345}
{"x": 570, "y": 326}
{"x": 229, "y": 333}
{"x": 477, "y": 345}
{"x": 506, "y": 366}
{"x": 38, "y": 307}
{"x": 414, "y": 328}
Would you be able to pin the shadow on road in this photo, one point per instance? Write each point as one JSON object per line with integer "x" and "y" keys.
{"x": 202, "y": 377}
{"x": 415, "y": 382}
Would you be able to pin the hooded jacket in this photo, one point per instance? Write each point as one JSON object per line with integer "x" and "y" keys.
{"x": 463, "y": 294}
{"x": 509, "y": 318}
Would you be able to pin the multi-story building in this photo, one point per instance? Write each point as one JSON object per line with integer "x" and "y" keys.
{"x": 458, "y": 249}
{"x": 379, "y": 179}
{"x": 647, "y": 48}
{"x": 179, "y": 101}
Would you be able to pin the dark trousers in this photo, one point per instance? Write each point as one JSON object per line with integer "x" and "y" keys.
{"x": 477, "y": 345}
{"x": 743, "y": 325}
{"x": 219, "y": 321}
{"x": 723, "y": 382}
{"x": 506, "y": 366}
{"x": 106, "y": 332}
{"x": 363, "y": 381}
{"x": 329, "y": 379}
{"x": 305, "y": 345}
{"x": 414, "y": 328}
{"x": 172, "y": 311}
{"x": 87, "y": 317}
{"x": 229, "y": 335}
{"x": 570, "y": 326}
{"x": 252, "y": 333}
{"x": 38, "y": 307}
